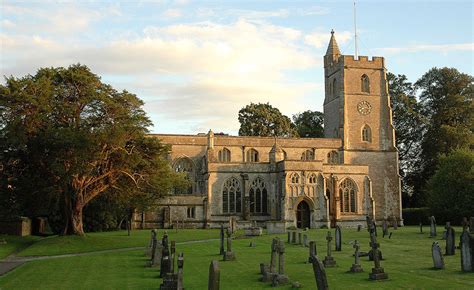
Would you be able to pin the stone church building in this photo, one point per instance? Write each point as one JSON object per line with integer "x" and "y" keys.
{"x": 304, "y": 182}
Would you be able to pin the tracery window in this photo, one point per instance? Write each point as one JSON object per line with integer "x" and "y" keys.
{"x": 313, "y": 178}
{"x": 252, "y": 155}
{"x": 365, "y": 84}
{"x": 232, "y": 196}
{"x": 333, "y": 157}
{"x": 294, "y": 184}
{"x": 366, "y": 134}
{"x": 295, "y": 178}
{"x": 258, "y": 197}
{"x": 186, "y": 166}
{"x": 307, "y": 155}
{"x": 224, "y": 155}
{"x": 348, "y": 195}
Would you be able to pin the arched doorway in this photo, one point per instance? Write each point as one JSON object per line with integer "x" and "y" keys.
{"x": 303, "y": 215}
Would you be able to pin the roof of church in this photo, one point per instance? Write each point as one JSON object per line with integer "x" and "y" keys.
{"x": 333, "y": 48}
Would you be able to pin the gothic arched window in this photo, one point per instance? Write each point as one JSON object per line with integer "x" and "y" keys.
{"x": 258, "y": 196}
{"x": 232, "y": 196}
{"x": 307, "y": 155}
{"x": 333, "y": 157}
{"x": 185, "y": 165}
{"x": 348, "y": 196}
{"x": 295, "y": 178}
{"x": 366, "y": 134}
{"x": 365, "y": 84}
{"x": 224, "y": 155}
{"x": 312, "y": 179}
{"x": 252, "y": 155}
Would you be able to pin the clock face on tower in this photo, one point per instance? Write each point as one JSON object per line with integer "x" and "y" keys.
{"x": 364, "y": 108}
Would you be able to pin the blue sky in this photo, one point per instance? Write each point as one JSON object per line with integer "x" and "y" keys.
{"x": 196, "y": 63}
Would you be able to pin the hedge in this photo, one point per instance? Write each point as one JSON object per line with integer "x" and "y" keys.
{"x": 413, "y": 216}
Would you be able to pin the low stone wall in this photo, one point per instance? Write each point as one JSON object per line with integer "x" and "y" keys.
{"x": 20, "y": 227}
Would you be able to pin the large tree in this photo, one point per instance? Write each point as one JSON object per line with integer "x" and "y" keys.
{"x": 409, "y": 125}
{"x": 309, "y": 124}
{"x": 265, "y": 120}
{"x": 67, "y": 138}
{"x": 446, "y": 97}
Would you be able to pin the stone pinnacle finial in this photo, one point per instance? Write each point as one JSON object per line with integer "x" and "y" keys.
{"x": 333, "y": 48}
{"x": 332, "y": 31}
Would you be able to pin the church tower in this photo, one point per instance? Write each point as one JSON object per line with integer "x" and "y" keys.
{"x": 357, "y": 110}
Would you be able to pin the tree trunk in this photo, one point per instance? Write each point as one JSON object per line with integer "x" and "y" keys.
{"x": 73, "y": 215}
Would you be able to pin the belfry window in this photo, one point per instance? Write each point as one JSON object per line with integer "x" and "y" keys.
{"x": 252, "y": 155}
{"x": 348, "y": 196}
{"x": 232, "y": 196}
{"x": 366, "y": 134}
{"x": 185, "y": 165}
{"x": 307, "y": 155}
{"x": 312, "y": 179}
{"x": 258, "y": 197}
{"x": 333, "y": 157}
{"x": 334, "y": 87}
{"x": 365, "y": 84}
{"x": 224, "y": 155}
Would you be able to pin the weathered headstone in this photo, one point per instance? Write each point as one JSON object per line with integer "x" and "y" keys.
{"x": 282, "y": 278}
{"x": 312, "y": 251}
{"x": 165, "y": 267}
{"x": 149, "y": 249}
{"x": 359, "y": 227}
{"x": 180, "y": 271}
{"x": 214, "y": 276}
{"x": 421, "y": 227}
{"x": 356, "y": 267}
{"x": 394, "y": 222}
{"x": 293, "y": 237}
{"x": 289, "y": 237}
{"x": 155, "y": 252}
{"x": 305, "y": 240}
{"x": 438, "y": 261}
{"x": 338, "y": 236}
{"x": 222, "y": 251}
{"x": 270, "y": 270}
{"x": 432, "y": 226}
{"x": 329, "y": 260}
{"x": 450, "y": 241}
{"x": 229, "y": 254}
{"x": 467, "y": 252}
{"x": 384, "y": 228}
{"x": 377, "y": 271}
{"x": 319, "y": 274}
{"x": 173, "y": 281}
{"x": 173, "y": 251}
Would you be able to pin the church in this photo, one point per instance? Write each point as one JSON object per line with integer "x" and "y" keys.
{"x": 340, "y": 179}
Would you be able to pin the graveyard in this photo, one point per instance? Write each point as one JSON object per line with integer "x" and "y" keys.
{"x": 114, "y": 260}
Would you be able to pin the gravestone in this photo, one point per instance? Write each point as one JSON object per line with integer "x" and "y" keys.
{"x": 173, "y": 251}
{"x": 172, "y": 281}
{"x": 214, "y": 276}
{"x": 421, "y": 227}
{"x": 465, "y": 224}
{"x": 319, "y": 274}
{"x": 450, "y": 241}
{"x": 229, "y": 254}
{"x": 384, "y": 228}
{"x": 329, "y": 260}
{"x": 299, "y": 238}
{"x": 305, "y": 240}
{"x": 289, "y": 237}
{"x": 356, "y": 267}
{"x": 165, "y": 267}
{"x": 438, "y": 261}
{"x": 293, "y": 237}
{"x": 269, "y": 271}
{"x": 155, "y": 258}
{"x": 312, "y": 251}
{"x": 432, "y": 226}
{"x": 282, "y": 278}
{"x": 149, "y": 249}
{"x": 377, "y": 271}
{"x": 232, "y": 224}
{"x": 222, "y": 251}
{"x": 369, "y": 223}
{"x": 180, "y": 271}
{"x": 371, "y": 255}
{"x": 338, "y": 235}
{"x": 394, "y": 223}
{"x": 359, "y": 227}
{"x": 445, "y": 232}
{"x": 467, "y": 254}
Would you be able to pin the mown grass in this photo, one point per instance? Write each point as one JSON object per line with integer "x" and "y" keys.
{"x": 407, "y": 261}
{"x": 14, "y": 244}
{"x": 57, "y": 245}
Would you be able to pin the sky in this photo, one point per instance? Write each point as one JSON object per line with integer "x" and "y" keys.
{"x": 197, "y": 63}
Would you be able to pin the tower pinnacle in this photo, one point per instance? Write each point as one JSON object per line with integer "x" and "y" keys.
{"x": 333, "y": 48}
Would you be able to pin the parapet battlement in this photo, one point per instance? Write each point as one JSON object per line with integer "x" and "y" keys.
{"x": 348, "y": 61}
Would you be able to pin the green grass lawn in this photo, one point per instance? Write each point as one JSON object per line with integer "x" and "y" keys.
{"x": 15, "y": 243}
{"x": 57, "y": 245}
{"x": 407, "y": 261}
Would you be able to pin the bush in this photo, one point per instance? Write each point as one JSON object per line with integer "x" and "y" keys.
{"x": 413, "y": 216}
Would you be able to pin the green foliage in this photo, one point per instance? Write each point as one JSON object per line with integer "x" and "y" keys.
{"x": 265, "y": 120}
{"x": 309, "y": 124}
{"x": 413, "y": 216}
{"x": 451, "y": 188}
{"x": 67, "y": 138}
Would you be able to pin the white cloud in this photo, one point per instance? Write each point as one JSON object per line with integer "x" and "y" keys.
{"x": 443, "y": 48}
{"x": 171, "y": 13}
{"x": 315, "y": 10}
